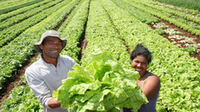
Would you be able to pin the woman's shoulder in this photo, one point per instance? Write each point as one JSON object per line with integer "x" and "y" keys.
{"x": 153, "y": 80}
{"x": 152, "y": 86}
{"x": 153, "y": 76}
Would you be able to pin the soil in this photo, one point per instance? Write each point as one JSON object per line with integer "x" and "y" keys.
{"x": 84, "y": 44}
{"x": 184, "y": 33}
{"x": 17, "y": 78}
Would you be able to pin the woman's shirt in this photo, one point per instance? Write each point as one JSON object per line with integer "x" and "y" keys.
{"x": 149, "y": 107}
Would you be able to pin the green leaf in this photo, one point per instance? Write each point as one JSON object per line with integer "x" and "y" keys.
{"x": 102, "y": 85}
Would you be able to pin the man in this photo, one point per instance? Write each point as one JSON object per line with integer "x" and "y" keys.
{"x": 46, "y": 75}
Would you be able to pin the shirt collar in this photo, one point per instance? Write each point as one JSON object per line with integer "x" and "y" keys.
{"x": 42, "y": 60}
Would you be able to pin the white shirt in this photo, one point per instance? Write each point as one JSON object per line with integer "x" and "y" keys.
{"x": 44, "y": 78}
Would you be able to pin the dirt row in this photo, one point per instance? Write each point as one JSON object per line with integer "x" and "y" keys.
{"x": 183, "y": 33}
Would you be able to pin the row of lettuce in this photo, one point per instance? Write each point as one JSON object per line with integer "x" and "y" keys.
{"x": 5, "y": 9}
{"x": 21, "y": 10}
{"x": 192, "y": 5}
{"x": 137, "y": 13}
{"x": 107, "y": 26}
{"x": 165, "y": 15}
{"x": 11, "y": 32}
{"x": 146, "y": 15}
{"x": 173, "y": 12}
{"x": 19, "y": 16}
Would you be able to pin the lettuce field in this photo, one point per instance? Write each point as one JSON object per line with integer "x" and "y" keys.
{"x": 171, "y": 32}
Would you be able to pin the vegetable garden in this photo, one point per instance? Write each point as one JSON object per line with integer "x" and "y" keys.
{"x": 170, "y": 32}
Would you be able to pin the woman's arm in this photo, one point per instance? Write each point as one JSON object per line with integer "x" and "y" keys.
{"x": 151, "y": 86}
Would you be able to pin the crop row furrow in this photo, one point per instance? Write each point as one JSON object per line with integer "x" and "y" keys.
{"x": 21, "y": 99}
{"x": 101, "y": 35}
{"x": 142, "y": 16}
{"x": 8, "y": 3}
{"x": 74, "y": 31}
{"x": 22, "y": 10}
{"x": 177, "y": 13}
{"x": 17, "y": 6}
{"x": 12, "y": 32}
{"x": 164, "y": 17}
{"x": 20, "y": 17}
{"x": 191, "y": 6}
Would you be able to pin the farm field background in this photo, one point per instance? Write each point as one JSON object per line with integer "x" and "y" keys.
{"x": 171, "y": 32}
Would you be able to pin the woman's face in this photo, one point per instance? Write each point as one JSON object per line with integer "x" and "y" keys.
{"x": 140, "y": 64}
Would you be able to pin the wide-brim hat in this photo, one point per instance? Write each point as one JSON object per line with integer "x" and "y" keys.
{"x": 49, "y": 33}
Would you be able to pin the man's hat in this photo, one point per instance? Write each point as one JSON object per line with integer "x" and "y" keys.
{"x": 49, "y": 33}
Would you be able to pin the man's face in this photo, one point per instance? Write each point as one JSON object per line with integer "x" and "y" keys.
{"x": 51, "y": 47}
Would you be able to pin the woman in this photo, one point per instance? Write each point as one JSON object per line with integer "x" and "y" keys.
{"x": 148, "y": 82}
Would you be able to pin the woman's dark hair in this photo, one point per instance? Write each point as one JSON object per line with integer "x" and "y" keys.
{"x": 141, "y": 50}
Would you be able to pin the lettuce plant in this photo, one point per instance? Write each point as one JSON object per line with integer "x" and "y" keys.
{"x": 102, "y": 85}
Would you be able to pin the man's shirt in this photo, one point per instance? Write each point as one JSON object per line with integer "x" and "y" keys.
{"x": 44, "y": 78}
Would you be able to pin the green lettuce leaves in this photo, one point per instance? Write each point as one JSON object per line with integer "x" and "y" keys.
{"x": 102, "y": 85}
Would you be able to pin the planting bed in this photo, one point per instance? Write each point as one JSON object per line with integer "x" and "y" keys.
{"x": 181, "y": 33}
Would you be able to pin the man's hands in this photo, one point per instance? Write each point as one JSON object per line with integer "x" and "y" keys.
{"x": 53, "y": 103}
